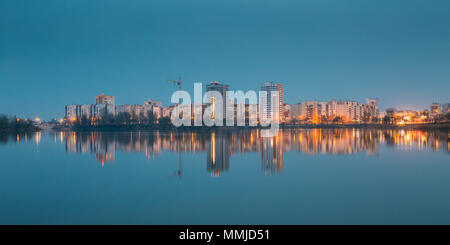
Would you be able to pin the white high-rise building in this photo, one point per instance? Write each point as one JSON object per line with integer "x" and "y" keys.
{"x": 266, "y": 105}
{"x": 127, "y": 108}
{"x": 72, "y": 112}
{"x": 87, "y": 111}
{"x": 109, "y": 103}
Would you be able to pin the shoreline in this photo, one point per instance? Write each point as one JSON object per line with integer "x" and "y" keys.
{"x": 118, "y": 128}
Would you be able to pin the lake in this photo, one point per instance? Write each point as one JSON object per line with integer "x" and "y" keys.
{"x": 301, "y": 176}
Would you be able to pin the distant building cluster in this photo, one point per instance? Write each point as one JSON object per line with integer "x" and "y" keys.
{"x": 346, "y": 111}
{"x": 105, "y": 107}
{"x": 437, "y": 110}
{"x": 436, "y": 113}
{"x": 308, "y": 112}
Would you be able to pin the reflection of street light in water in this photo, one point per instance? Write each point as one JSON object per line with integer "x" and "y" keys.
{"x": 38, "y": 137}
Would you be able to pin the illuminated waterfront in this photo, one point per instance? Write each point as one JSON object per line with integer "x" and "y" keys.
{"x": 301, "y": 176}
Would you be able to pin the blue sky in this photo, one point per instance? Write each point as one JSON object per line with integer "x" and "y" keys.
{"x": 61, "y": 52}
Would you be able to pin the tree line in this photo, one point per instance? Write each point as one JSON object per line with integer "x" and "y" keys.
{"x": 15, "y": 124}
{"x": 122, "y": 118}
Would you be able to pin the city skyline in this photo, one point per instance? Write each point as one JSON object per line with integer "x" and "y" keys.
{"x": 106, "y": 112}
{"x": 56, "y": 53}
{"x": 90, "y": 110}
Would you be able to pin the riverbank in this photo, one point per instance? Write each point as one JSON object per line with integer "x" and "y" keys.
{"x": 25, "y": 128}
{"x": 421, "y": 126}
{"x": 113, "y": 128}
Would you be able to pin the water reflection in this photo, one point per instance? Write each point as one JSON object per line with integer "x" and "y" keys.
{"x": 220, "y": 146}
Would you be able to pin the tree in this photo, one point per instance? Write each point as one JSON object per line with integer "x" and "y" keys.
{"x": 366, "y": 117}
{"x": 142, "y": 118}
{"x": 20, "y": 125}
{"x": 107, "y": 119}
{"x": 84, "y": 121}
{"x": 294, "y": 120}
{"x": 4, "y": 122}
{"x": 150, "y": 118}
{"x": 123, "y": 118}
{"x": 337, "y": 119}
{"x": 389, "y": 118}
{"x": 165, "y": 121}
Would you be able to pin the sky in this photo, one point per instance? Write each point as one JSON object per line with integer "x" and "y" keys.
{"x": 58, "y": 52}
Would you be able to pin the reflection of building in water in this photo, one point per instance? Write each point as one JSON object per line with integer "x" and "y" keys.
{"x": 218, "y": 154}
{"x": 409, "y": 139}
{"x": 103, "y": 146}
{"x": 272, "y": 155}
{"x": 334, "y": 141}
{"x": 221, "y": 145}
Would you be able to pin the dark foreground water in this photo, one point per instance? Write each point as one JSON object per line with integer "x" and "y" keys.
{"x": 303, "y": 176}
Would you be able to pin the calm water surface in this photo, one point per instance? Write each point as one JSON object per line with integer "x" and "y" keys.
{"x": 302, "y": 176}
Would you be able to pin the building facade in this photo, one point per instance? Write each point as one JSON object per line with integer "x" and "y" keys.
{"x": 346, "y": 111}
{"x": 222, "y": 89}
{"x": 435, "y": 110}
{"x": 106, "y": 105}
{"x": 373, "y": 107}
{"x": 266, "y": 105}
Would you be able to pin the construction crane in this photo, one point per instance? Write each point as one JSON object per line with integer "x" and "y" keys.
{"x": 178, "y": 149}
{"x": 178, "y": 173}
{"x": 177, "y": 82}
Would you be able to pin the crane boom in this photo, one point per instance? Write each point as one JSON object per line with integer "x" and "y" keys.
{"x": 177, "y": 82}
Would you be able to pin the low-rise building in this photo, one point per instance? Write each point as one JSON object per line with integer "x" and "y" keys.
{"x": 435, "y": 110}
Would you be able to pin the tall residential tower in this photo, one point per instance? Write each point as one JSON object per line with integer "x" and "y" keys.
{"x": 266, "y": 105}
{"x": 222, "y": 89}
